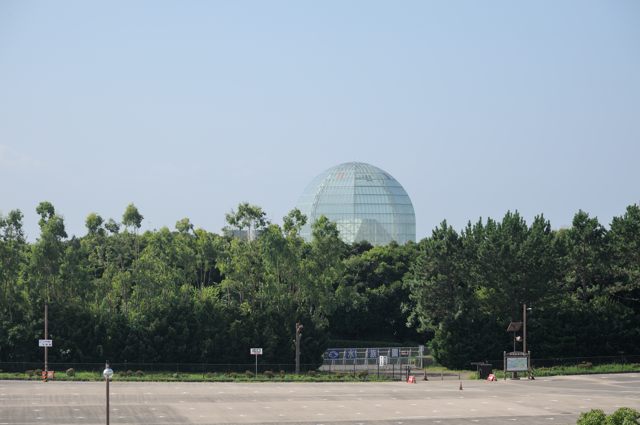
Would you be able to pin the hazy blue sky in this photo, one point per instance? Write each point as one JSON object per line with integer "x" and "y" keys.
{"x": 187, "y": 108}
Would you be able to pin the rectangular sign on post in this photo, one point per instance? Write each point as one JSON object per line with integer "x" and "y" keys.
{"x": 45, "y": 343}
{"x": 256, "y": 351}
{"x": 517, "y": 364}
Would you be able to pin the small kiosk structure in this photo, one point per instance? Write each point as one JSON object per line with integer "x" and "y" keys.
{"x": 516, "y": 361}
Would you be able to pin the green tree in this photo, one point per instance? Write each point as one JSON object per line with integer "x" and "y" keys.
{"x": 625, "y": 252}
{"x": 46, "y": 254}
{"x": 249, "y": 218}
{"x": 586, "y": 260}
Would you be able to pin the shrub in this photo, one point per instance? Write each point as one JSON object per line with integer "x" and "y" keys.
{"x": 592, "y": 417}
{"x": 139, "y": 373}
{"x": 585, "y": 365}
{"x": 269, "y": 374}
{"x": 312, "y": 373}
{"x": 28, "y": 372}
{"x": 363, "y": 374}
{"x": 282, "y": 374}
{"x": 623, "y": 416}
{"x": 175, "y": 375}
{"x": 71, "y": 372}
{"x": 248, "y": 374}
{"x": 37, "y": 372}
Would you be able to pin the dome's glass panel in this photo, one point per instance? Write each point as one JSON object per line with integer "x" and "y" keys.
{"x": 365, "y": 202}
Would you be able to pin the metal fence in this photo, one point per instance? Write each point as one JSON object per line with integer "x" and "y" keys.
{"x": 581, "y": 362}
{"x": 396, "y": 368}
{"x": 392, "y": 362}
{"x": 346, "y": 358}
{"x": 203, "y": 368}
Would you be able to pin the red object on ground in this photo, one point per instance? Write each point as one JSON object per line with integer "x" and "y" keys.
{"x": 492, "y": 377}
{"x": 411, "y": 379}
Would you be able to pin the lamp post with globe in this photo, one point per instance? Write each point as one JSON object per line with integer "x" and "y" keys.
{"x": 107, "y": 373}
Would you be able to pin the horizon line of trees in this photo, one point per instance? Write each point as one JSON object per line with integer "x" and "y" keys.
{"x": 189, "y": 295}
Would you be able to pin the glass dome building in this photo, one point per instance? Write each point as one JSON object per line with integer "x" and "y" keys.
{"x": 365, "y": 202}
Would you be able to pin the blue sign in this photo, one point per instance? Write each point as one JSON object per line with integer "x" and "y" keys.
{"x": 334, "y": 354}
{"x": 372, "y": 353}
{"x": 351, "y": 353}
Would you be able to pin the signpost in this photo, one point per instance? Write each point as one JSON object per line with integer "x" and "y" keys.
{"x": 516, "y": 361}
{"x": 256, "y": 352}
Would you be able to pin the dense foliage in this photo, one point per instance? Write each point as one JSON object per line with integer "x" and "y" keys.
{"x": 188, "y": 295}
{"x": 622, "y": 416}
{"x": 583, "y": 284}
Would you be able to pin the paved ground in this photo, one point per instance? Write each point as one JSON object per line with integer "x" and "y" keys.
{"x": 543, "y": 401}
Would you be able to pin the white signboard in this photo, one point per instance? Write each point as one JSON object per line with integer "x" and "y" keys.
{"x": 384, "y": 360}
{"x": 256, "y": 351}
{"x": 45, "y": 343}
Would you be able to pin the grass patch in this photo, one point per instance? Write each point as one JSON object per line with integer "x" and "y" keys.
{"x": 586, "y": 369}
{"x": 580, "y": 369}
{"x": 136, "y": 376}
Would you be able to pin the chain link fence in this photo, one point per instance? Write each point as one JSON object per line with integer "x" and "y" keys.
{"x": 197, "y": 368}
{"x": 360, "y": 363}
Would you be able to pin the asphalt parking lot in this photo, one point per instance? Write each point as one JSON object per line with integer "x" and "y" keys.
{"x": 557, "y": 400}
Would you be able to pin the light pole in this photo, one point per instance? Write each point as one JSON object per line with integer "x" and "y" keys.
{"x": 298, "y": 338}
{"x": 524, "y": 327}
{"x": 107, "y": 373}
{"x": 46, "y": 336}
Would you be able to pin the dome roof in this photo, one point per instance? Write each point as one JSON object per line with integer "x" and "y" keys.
{"x": 365, "y": 202}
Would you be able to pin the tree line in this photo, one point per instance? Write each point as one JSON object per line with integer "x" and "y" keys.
{"x": 188, "y": 295}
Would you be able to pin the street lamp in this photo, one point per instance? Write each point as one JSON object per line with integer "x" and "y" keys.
{"x": 107, "y": 373}
{"x": 299, "y": 328}
{"x": 524, "y": 327}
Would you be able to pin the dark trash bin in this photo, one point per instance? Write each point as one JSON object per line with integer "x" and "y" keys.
{"x": 484, "y": 370}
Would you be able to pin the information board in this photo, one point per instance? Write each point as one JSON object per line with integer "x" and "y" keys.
{"x": 517, "y": 364}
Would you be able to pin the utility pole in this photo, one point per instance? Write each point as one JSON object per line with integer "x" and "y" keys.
{"x": 297, "y": 341}
{"x": 524, "y": 328}
{"x": 46, "y": 336}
